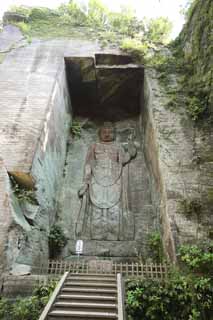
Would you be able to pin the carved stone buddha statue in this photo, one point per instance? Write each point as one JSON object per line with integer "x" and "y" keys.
{"x": 104, "y": 212}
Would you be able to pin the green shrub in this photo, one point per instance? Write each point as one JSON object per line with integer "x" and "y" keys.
{"x": 135, "y": 47}
{"x": 5, "y": 309}
{"x": 43, "y": 292}
{"x": 27, "y": 308}
{"x": 156, "y": 246}
{"x": 125, "y": 22}
{"x": 24, "y": 10}
{"x": 195, "y": 108}
{"x": 42, "y": 13}
{"x": 158, "y": 30}
{"x": 177, "y": 298}
{"x": 57, "y": 240}
{"x": 23, "y": 26}
{"x": 197, "y": 258}
{"x": 72, "y": 13}
{"x": 97, "y": 14}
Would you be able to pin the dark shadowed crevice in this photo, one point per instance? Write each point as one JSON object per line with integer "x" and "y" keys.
{"x": 106, "y": 87}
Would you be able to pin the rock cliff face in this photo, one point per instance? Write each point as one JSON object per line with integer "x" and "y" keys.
{"x": 195, "y": 41}
{"x": 171, "y": 185}
{"x": 35, "y": 136}
{"x": 183, "y": 165}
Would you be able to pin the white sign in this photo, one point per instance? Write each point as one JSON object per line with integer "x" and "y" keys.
{"x": 79, "y": 247}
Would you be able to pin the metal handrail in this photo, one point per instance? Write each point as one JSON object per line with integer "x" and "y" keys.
{"x": 50, "y": 303}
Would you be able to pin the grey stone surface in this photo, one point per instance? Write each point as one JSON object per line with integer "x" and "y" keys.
{"x": 171, "y": 144}
{"x": 99, "y": 248}
{"x": 139, "y": 195}
{"x": 6, "y": 214}
{"x": 21, "y": 286}
{"x": 9, "y": 37}
{"x": 19, "y": 269}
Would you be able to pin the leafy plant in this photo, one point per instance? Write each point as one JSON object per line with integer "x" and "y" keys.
{"x": 197, "y": 258}
{"x": 5, "y": 309}
{"x": 97, "y": 14}
{"x": 178, "y": 298}
{"x": 24, "y": 10}
{"x": 72, "y": 13}
{"x": 125, "y": 22}
{"x": 195, "y": 108}
{"x": 135, "y": 47}
{"x": 43, "y": 292}
{"x": 156, "y": 246}
{"x": 22, "y": 193}
{"x": 76, "y": 129}
{"x": 57, "y": 240}
{"x": 42, "y": 13}
{"x": 158, "y": 30}
{"x": 27, "y": 308}
{"x": 24, "y": 27}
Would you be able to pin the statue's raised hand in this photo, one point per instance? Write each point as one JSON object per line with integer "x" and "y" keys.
{"x": 82, "y": 190}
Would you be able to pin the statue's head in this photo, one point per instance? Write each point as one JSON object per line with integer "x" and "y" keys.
{"x": 107, "y": 132}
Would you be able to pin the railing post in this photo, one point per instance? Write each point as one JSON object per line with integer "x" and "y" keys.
{"x": 46, "y": 310}
{"x": 120, "y": 289}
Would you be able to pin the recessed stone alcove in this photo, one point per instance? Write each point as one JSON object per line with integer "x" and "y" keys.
{"x": 107, "y": 87}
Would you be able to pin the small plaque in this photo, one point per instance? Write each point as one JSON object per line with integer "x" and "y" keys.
{"x": 79, "y": 247}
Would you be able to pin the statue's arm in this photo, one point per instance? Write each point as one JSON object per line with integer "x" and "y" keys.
{"x": 129, "y": 154}
{"x": 87, "y": 171}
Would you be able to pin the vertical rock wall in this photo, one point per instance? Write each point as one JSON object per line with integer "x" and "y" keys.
{"x": 35, "y": 121}
{"x": 181, "y": 183}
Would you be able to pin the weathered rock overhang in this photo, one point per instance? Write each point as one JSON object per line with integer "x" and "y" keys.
{"x": 106, "y": 86}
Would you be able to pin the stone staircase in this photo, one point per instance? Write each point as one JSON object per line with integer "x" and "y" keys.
{"x": 86, "y": 296}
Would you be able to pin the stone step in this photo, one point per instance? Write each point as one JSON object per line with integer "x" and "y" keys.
{"x": 60, "y": 314}
{"x": 76, "y": 297}
{"x": 93, "y": 278}
{"x": 89, "y": 284}
{"x": 90, "y": 290}
{"x": 84, "y": 305}
{"x": 73, "y": 318}
{"x": 99, "y": 275}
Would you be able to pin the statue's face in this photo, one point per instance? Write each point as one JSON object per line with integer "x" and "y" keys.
{"x": 106, "y": 134}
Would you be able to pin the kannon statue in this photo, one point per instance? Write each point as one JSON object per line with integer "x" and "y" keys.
{"x": 104, "y": 212}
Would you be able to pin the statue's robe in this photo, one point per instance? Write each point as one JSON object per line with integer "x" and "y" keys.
{"x": 104, "y": 213}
